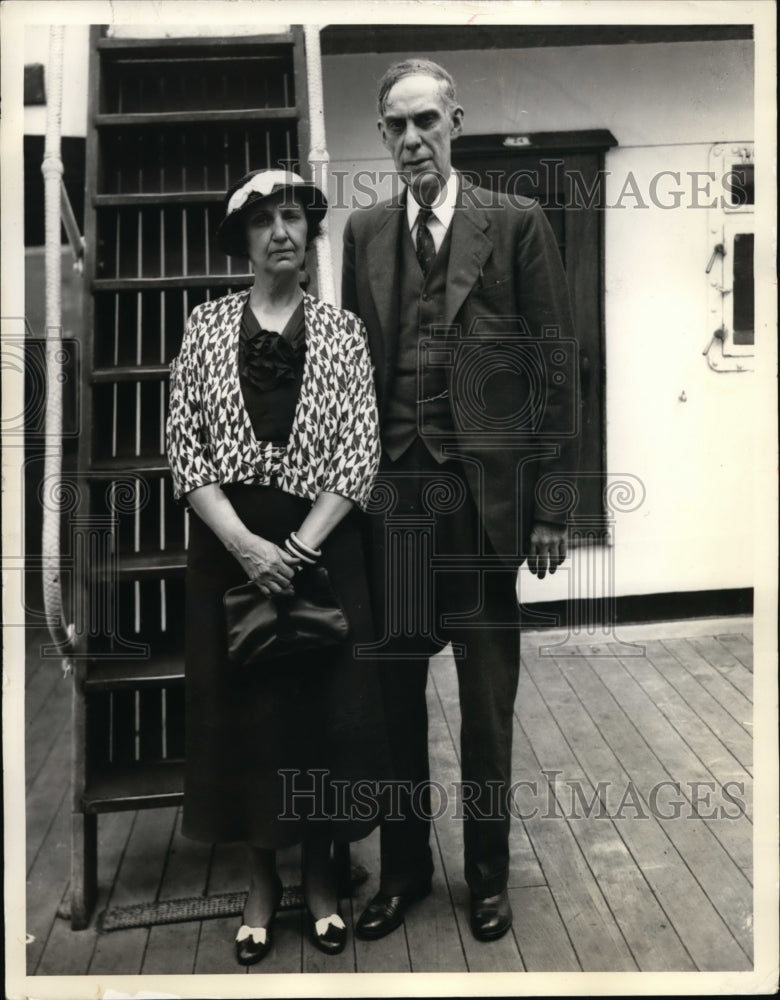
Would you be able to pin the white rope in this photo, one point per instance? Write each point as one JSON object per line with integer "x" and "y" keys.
{"x": 318, "y": 155}
{"x": 52, "y": 176}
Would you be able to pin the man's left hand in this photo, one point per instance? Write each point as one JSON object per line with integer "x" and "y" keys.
{"x": 548, "y": 548}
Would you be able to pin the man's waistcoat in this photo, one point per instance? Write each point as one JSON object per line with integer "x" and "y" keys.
{"x": 421, "y": 305}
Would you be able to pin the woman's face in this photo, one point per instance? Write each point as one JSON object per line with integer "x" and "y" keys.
{"x": 276, "y": 231}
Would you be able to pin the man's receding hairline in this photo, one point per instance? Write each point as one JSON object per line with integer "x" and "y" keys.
{"x": 445, "y": 83}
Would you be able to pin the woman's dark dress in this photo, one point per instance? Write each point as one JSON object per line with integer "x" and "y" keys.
{"x": 265, "y": 745}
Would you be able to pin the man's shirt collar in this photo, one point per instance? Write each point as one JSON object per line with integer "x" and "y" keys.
{"x": 445, "y": 207}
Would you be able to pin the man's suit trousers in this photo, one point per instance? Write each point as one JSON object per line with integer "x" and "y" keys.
{"x": 431, "y": 586}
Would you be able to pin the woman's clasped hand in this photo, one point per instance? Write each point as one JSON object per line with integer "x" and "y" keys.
{"x": 272, "y": 568}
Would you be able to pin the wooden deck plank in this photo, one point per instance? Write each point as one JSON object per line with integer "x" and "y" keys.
{"x": 659, "y": 864}
{"x": 732, "y": 669}
{"x": 33, "y": 661}
{"x": 553, "y": 923}
{"x": 733, "y": 701}
{"x": 720, "y": 878}
{"x": 706, "y": 938}
{"x": 592, "y": 929}
{"x": 432, "y": 929}
{"x": 739, "y": 646}
{"x": 51, "y": 786}
{"x": 705, "y": 743}
{"x": 43, "y": 730}
{"x": 681, "y": 764}
{"x": 736, "y": 739}
{"x": 539, "y": 931}
{"x": 40, "y": 684}
{"x": 47, "y": 882}
{"x": 68, "y": 952}
{"x": 654, "y": 944}
{"x": 138, "y": 881}
{"x": 171, "y": 948}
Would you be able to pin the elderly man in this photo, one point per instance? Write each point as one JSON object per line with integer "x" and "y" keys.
{"x": 463, "y": 295}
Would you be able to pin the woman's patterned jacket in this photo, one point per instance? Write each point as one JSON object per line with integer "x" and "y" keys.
{"x": 334, "y": 442}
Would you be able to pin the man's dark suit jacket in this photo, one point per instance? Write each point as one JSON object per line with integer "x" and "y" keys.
{"x": 509, "y": 350}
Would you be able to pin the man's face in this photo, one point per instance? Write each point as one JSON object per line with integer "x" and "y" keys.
{"x": 417, "y": 128}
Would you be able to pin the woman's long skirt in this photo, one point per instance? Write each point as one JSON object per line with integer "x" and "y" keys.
{"x": 274, "y": 751}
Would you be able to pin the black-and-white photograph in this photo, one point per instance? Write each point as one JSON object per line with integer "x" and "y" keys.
{"x": 389, "y": 498}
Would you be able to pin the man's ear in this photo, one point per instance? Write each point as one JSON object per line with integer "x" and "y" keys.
{"x": 457, "y": 122}
{"x": 382, "y": 131}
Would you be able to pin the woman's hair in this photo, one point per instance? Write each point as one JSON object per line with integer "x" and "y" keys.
{"x": 415, "y": 67}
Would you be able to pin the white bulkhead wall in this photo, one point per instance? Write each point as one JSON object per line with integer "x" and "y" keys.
{"x": 666, "y": 104}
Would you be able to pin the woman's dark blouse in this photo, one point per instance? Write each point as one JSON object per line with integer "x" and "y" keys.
{"x": 270, "y": 369}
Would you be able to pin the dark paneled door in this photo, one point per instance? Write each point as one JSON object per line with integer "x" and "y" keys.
{"x": 568, "y": 183}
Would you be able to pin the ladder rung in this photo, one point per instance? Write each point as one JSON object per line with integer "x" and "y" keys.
{"x": 132, "y": 463}
{"x": 213, "y": 44}
{"x": 108, "y": 674}
{"x": 100, "y": 471}
{"x": 196, "y": 117}
{"x": 129, "y": 373}
{"x": 158, "y": 199}
{"x": 151, "y": 567}
{"x": 138, "y": 787}
{"x": 167, "y": 284}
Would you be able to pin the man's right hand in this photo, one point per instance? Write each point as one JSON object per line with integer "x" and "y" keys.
{"x": 548, "y": 548}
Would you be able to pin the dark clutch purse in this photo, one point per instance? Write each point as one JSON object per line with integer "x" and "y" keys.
{"x": 263, "y": 629}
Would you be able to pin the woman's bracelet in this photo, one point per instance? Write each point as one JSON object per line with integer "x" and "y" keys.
{"x": 303, "y": 552}
{"x": 312, "y": 553}
{"x": 296, "y": 554}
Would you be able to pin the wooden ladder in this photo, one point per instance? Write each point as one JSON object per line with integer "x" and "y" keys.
{"x": 172, "y": 122}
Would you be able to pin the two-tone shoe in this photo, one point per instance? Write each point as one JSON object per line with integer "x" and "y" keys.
{"x": 254, "y": 943}
{"x": 329, "y": 934}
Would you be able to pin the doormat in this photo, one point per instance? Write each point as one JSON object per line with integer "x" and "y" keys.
{"x": 221, "y": 904}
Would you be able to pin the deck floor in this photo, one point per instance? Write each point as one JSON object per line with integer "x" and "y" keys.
{"x": 632, "y": 851}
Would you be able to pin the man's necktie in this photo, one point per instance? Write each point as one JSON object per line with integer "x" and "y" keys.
{"x": 425, "y": 248}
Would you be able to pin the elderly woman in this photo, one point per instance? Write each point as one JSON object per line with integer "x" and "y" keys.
{"x": 272, "y": 440}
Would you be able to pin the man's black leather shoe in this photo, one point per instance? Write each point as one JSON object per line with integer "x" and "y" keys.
{"x": 491, "y": 917}
{"x": 384, "y": 913}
